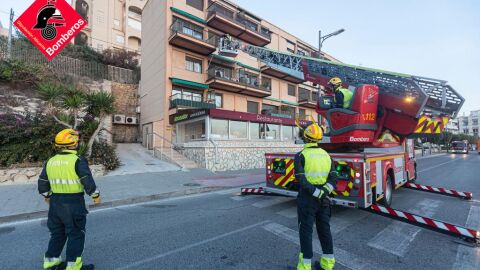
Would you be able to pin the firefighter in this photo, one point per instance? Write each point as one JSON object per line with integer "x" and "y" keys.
{"x": 315, "y": 172}
{"x": 63, "y": 181}
{"x": 343, "y": 96}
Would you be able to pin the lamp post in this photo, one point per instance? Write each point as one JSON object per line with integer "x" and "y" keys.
{"x": 322, "y": 39}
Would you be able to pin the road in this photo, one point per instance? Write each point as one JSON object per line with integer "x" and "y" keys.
{"x": 220, "y": 230}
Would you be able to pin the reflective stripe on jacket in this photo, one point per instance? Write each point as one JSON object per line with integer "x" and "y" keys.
{"x": 62, "y": 175}
{"x": 317, "y": 164}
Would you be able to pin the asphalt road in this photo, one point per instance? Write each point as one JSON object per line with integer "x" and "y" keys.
{"x": 220, "y": 230}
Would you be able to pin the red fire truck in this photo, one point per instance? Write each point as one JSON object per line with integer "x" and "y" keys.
{"x": 370, "y": 142}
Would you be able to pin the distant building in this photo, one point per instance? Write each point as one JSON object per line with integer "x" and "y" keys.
{"x": 3, "y": 31}
{"x": 452, "y": 126}
{"x": 468, "y": 124}
{"x": 111, "y": 23}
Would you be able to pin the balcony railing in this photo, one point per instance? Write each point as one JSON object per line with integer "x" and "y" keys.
{"x": 190, "y": 101}
{"x": 187, "y": 29}
{"x": 239, "y": 18}
{"x": 308, "y": 97}
{"x": 240, "y": 80}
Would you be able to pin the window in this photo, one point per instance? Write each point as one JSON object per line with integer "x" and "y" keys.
{"x": 194, "y": 131}
{"x": 475, "y": 132}
{"x": 302, "y": 114}
{"x": 186, "y": 94}
{"x": 266, "y": 108}
{"x": 116, "y": 22}
{"x": 189, "y": 28}
{"x": 287, "y": 133}
{"x": 252, "y": 107}
{"x": 100, "y": 47}
{"x": 475, "y": 122}
{"x": 219, "y": 129}
{"x": 288, "y": 111}
{"x": 290, "y": 50}
{"x": 238, "y": 130}
{"x": 218, "y": 99}
{"x": 291, "y": 90}
{"x": 266, "y": 83}
{"x": 255, "y": 131}
{"x": 248, "y": 78}
{"x": 198, "y": 4}
{"x": 120, "y": 39}
{"x": 271, "y": 132}
{"x": 100, "y": 17}
{"x": 137, "y": 25}
{"x": 220, "y": 72}
{"x": 193, "y": 64}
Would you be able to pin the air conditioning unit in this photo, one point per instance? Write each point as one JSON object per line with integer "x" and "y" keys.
{"x": 131, "y": 120}
{"x": 119, "y": 119}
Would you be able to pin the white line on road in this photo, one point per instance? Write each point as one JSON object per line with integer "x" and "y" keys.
{"x": 343, "y": 257}
{"x": 397, "y": 237}
{"x": 468, "y": 258}
{"x": 344, "y": 220}
{"x": 159, "y": 256}
{"x": 441, "y": 164}
{"x": 273, "y": 201}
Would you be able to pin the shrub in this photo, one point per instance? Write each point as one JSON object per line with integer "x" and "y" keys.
{"x": 121, "y": 58}
{"x": 82, "y": 52}
{"x": 105, "y": 154}
{"x": 21, "y": 72}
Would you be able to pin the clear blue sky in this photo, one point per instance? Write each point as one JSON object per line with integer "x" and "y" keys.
{"x": 432, "y": 38}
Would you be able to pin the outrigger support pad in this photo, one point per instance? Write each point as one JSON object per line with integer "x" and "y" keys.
{"x": 441, "y": 191}
{"x": 468, "y": 235}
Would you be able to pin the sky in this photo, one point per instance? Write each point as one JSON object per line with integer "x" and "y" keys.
{"x": 431, "y": 38}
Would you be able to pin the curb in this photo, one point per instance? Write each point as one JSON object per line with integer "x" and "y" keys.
{"x": 115, "y": 203}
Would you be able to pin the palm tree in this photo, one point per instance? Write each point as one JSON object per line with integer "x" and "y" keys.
{"x": 52, "y": 93}
{"x": 100, "y": 105}
{"x": 73, "y": 100}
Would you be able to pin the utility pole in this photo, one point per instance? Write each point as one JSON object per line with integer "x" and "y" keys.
{"x": 321, "y": 39}
{"x": 10, "y": 28}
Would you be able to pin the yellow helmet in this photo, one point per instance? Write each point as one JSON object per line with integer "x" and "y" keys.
{"x": 67, "y": 137}
{"x": 313, "y": 132}
{"x": 335, "y": 81}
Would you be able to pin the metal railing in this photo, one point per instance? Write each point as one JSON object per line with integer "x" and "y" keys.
{"x": 185, "y": 100}
{"x": 70, "y": 66}
{"x": 166, "y": 149}
{"x": 238, "y": 17}
{"x": 239, "y": 79}
{"x": 193, "y": 31}
{"x": 308, "y": 97}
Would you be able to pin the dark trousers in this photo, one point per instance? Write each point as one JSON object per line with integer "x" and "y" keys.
{"x": 309, "y": 210}
{"x": 67, "y": 217}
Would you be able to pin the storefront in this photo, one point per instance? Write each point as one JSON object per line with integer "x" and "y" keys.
{"x": 223, "y": 125}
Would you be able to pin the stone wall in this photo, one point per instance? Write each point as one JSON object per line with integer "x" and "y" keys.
{"x": 30, "y": 175}
{"x": 234, "y": 155}
{"x": 126, "y": 102}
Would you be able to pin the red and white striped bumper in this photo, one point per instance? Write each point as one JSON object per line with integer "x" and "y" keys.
{"x": 443, "y": 227}
{"x": 245, "y": 191}
{"x": 443, "y": 191}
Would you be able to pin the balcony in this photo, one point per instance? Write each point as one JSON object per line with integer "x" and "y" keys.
{"x": 183, "y": 35}
{"x": 308, "y": 99}
{"x": 283, "y": 73}
{"x": 187, "y": 101}
{"x": 237, "y": 25}
{"x": 238, "y": 84}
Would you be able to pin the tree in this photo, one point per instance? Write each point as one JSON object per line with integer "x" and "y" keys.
{"x": 100, "y": 105}
{"x": 51, "y": 93}
{"x": 73, "y": 100}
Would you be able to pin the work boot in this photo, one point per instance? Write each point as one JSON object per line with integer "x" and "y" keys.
{"x": 304, "y": 264}
{"x": 53, "y": 263}
{"x": 327, "y": 261}
{"x": 78, "y": 265}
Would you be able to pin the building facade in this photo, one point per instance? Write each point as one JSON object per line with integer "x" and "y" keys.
{"x": 468, "y": 124}
{"x": 3, "y": 31}
{"x": 453, "y": 126}
{"x": 111, "y": 23}
{"x": 211, "y": 106}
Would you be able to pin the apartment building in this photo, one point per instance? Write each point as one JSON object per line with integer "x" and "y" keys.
{"x": 3, "y": 31}
{"x": 468, "y": 124}
{"x": 111, "y": 23}
{"x": 197, "y": 99}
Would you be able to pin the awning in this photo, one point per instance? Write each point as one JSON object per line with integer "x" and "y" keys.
{"x": 177, "y": 81}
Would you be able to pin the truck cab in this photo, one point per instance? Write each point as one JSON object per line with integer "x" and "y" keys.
{"x": 459, "y": 147}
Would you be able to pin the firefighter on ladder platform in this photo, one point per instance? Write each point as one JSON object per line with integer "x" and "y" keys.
{"x": 317, "y": 179}
{"x": 343, "y": 96}
{"x": 63, "y": 181}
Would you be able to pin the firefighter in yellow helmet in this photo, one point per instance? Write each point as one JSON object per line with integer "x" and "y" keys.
{"x": 317, "y": 178}
{"x": 343, "y": 96}
{"x": 63, "y": 181}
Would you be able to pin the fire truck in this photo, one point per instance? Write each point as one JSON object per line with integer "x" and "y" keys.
{"x": 371, "y": 142}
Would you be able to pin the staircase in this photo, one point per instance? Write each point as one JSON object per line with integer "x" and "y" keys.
{"x": 166, "y": 151}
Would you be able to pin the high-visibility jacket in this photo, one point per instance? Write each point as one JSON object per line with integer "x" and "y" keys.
{"x": 347, "y": 97}
{"x": 62, "y": 175}
{"x": 317, "y": 164}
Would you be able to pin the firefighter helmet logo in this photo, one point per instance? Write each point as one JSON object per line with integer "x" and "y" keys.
{"x": 50, "y": 25}
{"x": 48, "y": 19}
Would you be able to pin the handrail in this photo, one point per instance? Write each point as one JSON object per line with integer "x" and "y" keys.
{"x": 215, "y": 150}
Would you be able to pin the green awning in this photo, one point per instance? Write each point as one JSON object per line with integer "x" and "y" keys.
{"x": 282, "y": 101}
{"x": 181, "y": 82}
{"x": 238, "y": 63}
{"x": 188, "y": 15}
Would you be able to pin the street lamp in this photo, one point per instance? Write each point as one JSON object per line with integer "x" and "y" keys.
{"x": 322, "y": 39}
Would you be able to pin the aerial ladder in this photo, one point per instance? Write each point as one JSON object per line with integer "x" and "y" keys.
{"x": 386, "y": 109}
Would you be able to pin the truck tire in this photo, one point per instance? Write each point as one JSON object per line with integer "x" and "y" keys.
{"x": 387, "y": 198}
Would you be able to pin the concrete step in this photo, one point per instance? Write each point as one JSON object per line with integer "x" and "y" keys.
{"x": 176, "y": 157}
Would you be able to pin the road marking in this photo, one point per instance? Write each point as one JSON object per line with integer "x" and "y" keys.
{"x": 431, "y": 156}
{"x": 271, "y": 202}
{"x": 289, "y": 212}
{"x": 468, "y": 258}
{"x": 345, "y": 219}
{"x": 206, "y": 241}
{"x": 397, "y": 237}
{"x": 441, "y": 164}
{"x": 343, "y": 257}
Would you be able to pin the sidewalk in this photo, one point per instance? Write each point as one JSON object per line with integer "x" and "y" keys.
{"x": 23, "y": 201}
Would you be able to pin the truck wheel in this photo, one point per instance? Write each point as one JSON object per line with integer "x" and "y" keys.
{"x": 387, "y": 198}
